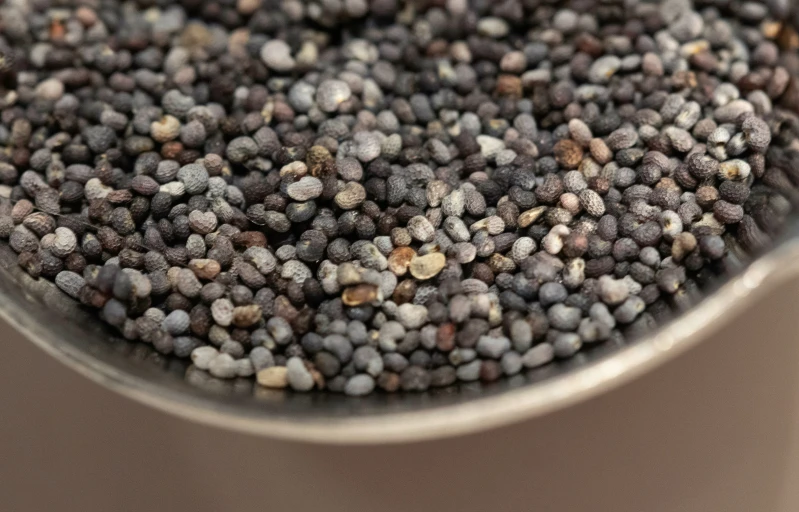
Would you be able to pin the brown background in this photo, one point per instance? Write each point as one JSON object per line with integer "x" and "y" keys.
{"x": 715, "y": 431}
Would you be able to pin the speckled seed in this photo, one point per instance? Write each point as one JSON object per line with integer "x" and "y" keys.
{"x": 494, "y": 225}
{"x": 70, "y": 283}
{"x": 305, "y": 189}
{"x": 421, "y": 229}
{"x": 351, "y": 196}
{"x": 592, "y": 203}
{"x": 202, "y": 223}
{"x": 222, "y": 311}
{"x": 64, "y": 243}
{"x": 522, "y": 248}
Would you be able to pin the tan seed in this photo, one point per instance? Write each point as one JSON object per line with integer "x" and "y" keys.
{"x": 494, "y": 225}
{"x": 360, "y": 294}
{"x": 295, "y": 168}
{"x": 318, "y": 378}
{"x": 246, "y": 316}
{"x": 509, "y": 85}
{"x": 273, "y": 377}
{"x": 530, "y": 216}
{"x": 427, "y": 266}
{"x": 399, "y": 259}
{"x": 352, "y": 196}
{"x": 205, "y": 268}
{"x": 600, "y": 151}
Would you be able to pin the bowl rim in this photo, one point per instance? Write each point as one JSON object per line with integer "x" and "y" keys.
{"x": 480, "y": 413}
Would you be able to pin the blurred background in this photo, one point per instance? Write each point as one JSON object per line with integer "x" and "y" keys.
{"x": 716, "y": 430}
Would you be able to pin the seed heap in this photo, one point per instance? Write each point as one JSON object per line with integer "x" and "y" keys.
{"x": 392, "y": 195}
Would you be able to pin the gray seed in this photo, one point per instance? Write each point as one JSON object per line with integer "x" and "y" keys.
{"x": 202, "y": 356}
{"x": 421, "y": 229}
{"x": 469, "y": 372}
{"x": 359, "y": 385}
{"x": 603, "y": 69}
{"x": 538, "y": 356}
{"x": 70, "y": 283}
{"x": 176, "y": 322}
{"x": 261, "y": 358}
{"x": 564, "y": 317}
{"x": 490, "y": 146}
{"x": 599, "y": 312}
{"x": 64, "y": 243}
{"x": 280, "y": 330}
{"x": 567, "y": 344}
{"x": 305, "y": 189}
{"x": 299, "y": 378}
{"x": 223, "y": 366}
{"x": 629, "y": 310}
{"x": 492, "y": 347}
{"x": 222, "y": 311}
{"x": 411, "y": 316}
{"x": 276, "y": 54}
{"x": 511, "y": 363}
{"x": 332, "y": 93}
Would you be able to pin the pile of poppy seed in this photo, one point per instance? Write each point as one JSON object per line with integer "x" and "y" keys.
{"x": 366, "y": 195}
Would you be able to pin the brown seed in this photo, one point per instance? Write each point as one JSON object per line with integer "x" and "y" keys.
{"x": 20, "y": 210}
{"x": 427, "y": 266}
{"x": 500, "y": 263}
{"x": 205, "y": 268}
{"x": 600, "y": 151}
{"x": 445, "y": 337}
{"x": 246, "y": 316}
{"x": 568, "y": 153}
{"x": 509, "y": 85}
{"x": 404, "y": 292}
{"x": 317, "y": 155}
{"x": 399, "y": 259}
{"x": 683, "y": 244}
{"x": 684, "y": 80}
{"x": 273, "y": 377}
{"x": 360, "y": 294}
{"x": 249, "y": 239}
{"x": 119, "y": 196}
{"x": 706, "y": 196}
{"x": 388, "y": 381}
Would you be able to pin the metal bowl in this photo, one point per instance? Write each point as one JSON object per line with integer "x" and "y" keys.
{"x": 73, "y": 335}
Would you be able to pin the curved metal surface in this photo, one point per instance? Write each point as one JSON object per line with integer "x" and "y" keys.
{"x": 70, "y": 334}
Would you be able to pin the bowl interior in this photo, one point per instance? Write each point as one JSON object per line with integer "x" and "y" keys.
{"x": 45, "y": 314}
